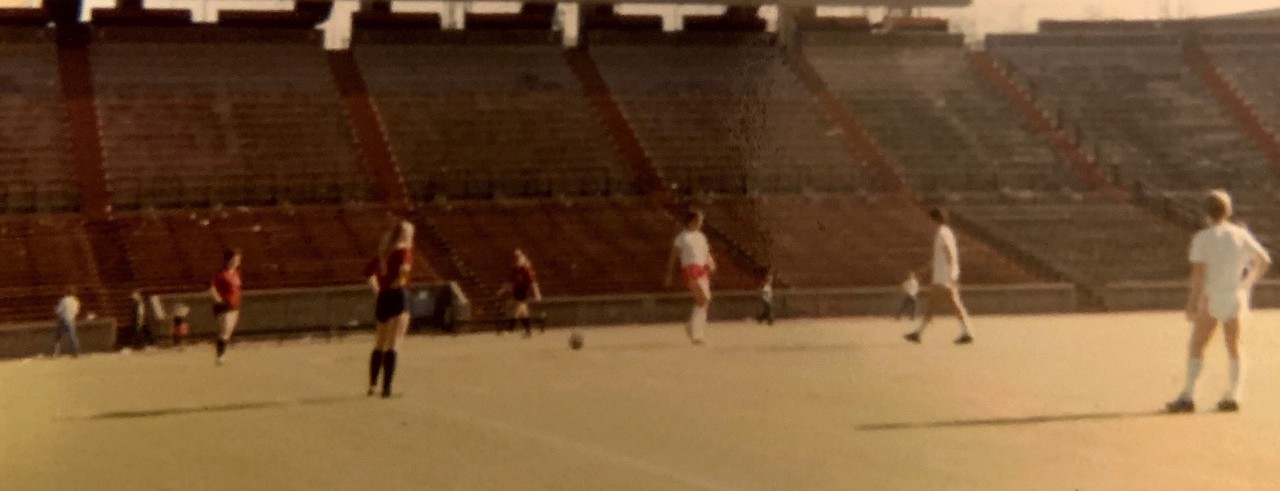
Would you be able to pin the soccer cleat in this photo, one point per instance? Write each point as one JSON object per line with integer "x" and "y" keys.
{"x": 964, "y": 339}
{"x": 1228, "y": 406}
{"x": 386, "y": 394}
{"x": 1181, "y": 406}
{"x": 913, "y": 337}
{"x": 372, "y": 390}
{"x": 217, "y": 362}
{"x": 698, "y": 342}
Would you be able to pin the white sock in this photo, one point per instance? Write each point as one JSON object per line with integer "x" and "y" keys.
{"x": 964, "y": 326}
{"x": 697, "y": 323}
{"x": 1193, "y": 373}
{"x": 1234, "y": 370}
{"x": 922, "y": 324}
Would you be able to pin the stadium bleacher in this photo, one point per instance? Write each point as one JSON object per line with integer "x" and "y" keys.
{"x": 1132, "y": 101}
{"x": 193, "y": 116}
{"x": 721, "y": 112}
{"x": 912, "y": 92}
{"x": 834, "y": 240}
{"x": 35, "y": 172}
{"x": 1252, "y": 63}
{"x": 481, "y": 116}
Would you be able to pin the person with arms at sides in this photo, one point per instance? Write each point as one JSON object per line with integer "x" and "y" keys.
{"x": 946, "y": 280}
{"x": 67, "y": 310}
{"x": 692, "y": 253}
{"x": 227, "y": 290}
{"x": 522, "y": 284}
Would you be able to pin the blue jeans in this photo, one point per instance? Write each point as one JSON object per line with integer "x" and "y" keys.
{"x": 66, "y": 327}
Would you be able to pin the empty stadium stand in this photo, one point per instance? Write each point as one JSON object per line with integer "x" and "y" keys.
{"x": 1090, "y": 240}
{"x": 588, "y": 246}
{"x": 721, "y": 112}
{"x": 946, "y": 129}
{"x": 35, "y": 172}
{"x": 192, "y": 116}
{"x": 41, "y": 255}
{"x": 486, "y": 114}
{"x": 831, "y": 240}
{"x": 1252, "y": 63}
{"x": 1132, "y": 101}
{"x": 283, "y": 246}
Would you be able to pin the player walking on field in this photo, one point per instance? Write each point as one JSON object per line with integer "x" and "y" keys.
{"x": 523, "y": 286}
{"x": 1226, "y": 261}
{"x": 388, "y": 277}
{"x": 946, "y": 280}
{"x": 693, "y": 252}
{"x": 226, "y": 290}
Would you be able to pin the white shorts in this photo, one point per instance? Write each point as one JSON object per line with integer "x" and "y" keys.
{"x": 1227, "y": 307}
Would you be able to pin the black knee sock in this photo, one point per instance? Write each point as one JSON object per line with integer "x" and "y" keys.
{"x": 375, "y": 366}
{"x": 389, "y": 371}
{"x": 528, "y": 326}
{"x": 221, "y": 347}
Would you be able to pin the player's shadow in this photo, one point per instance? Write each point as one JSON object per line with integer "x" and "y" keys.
{"x": 220, "y": 408}
{"x": 1023, "y": 420}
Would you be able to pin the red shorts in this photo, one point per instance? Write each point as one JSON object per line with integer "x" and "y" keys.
{"x": 695, "y": 272}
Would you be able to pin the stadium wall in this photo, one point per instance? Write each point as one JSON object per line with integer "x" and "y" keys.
{"x": 797, "y": 303}
{"x": 300, "y": 310}
{"x": 35, "y": 338}
{"x": 1139, "y": 296}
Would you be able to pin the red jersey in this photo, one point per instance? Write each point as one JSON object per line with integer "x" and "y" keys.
{"x": 522, "y": 279}
{"x": 389, "y": 273}
{"x": 227, "y": 284}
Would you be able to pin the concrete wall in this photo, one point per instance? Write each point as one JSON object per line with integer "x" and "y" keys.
{"x": 1136, "y": 296}
{"x": 30, "y": 339}
{"x": 738, "y": 305}
{"x": 303, "y": 309}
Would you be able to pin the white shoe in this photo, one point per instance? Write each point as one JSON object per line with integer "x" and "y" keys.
{"x": 217, "y": 362}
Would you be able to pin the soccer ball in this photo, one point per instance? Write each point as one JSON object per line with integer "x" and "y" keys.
{"x": 575, "y": 340}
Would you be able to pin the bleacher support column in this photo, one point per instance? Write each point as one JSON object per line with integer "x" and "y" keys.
{"x": 570, "y": 23}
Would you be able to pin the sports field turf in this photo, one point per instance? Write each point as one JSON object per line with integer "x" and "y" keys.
{"x": 1039, "y": 402}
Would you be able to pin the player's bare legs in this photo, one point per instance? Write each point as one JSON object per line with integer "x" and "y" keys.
{"x": 1201, "y": 333}
{"x": 1231, "y": 335}
{"x": 701, "y": 289}
{"x": 944, "y": 296}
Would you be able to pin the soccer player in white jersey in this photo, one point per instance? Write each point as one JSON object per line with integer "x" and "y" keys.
{"x": 1226, "y": 261}
{"x": 694, "y": 255}
{"x": 946, "y": 280}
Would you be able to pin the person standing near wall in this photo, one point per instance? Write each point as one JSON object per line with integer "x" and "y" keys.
{"x": 67, "y": 310}
{"x": 226, "y": 289}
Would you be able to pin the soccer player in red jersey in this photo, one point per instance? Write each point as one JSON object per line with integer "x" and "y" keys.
{"x": 226, "y": 290}
{"x": 389, "y": 277}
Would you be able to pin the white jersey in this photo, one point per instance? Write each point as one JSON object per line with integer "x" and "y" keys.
{"x": 694, "y": 249}
{"x": 945, "y": 271}
{"x": 68, "y": 307}
{"x": 911, "y": 287}
{"x": 1227, "y": 250}
{"x": 766, "y": 292}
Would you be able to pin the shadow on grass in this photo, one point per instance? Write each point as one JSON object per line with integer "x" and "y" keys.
{"x": 1023, "y": 420}
{"x": 218, "y": 408}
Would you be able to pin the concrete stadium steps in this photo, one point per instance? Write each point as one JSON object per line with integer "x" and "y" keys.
{"x": 944, "y": 128}
{"x": 189, "y": 118}
{"x": 1091, "y": 242}
{"x": 839, "y": 240}
{"x": 1134, "y": 103}
{"x": 41, "y": 255}
{"x": 590, "y": 246}
{"x": 36, "y": 173}
{"x": 283, "y": 247}
{"x": 727, "y": 117}
{"x": 484, "y": 120}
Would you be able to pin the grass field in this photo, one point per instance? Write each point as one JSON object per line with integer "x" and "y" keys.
{"x": 1039, "y": 402}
